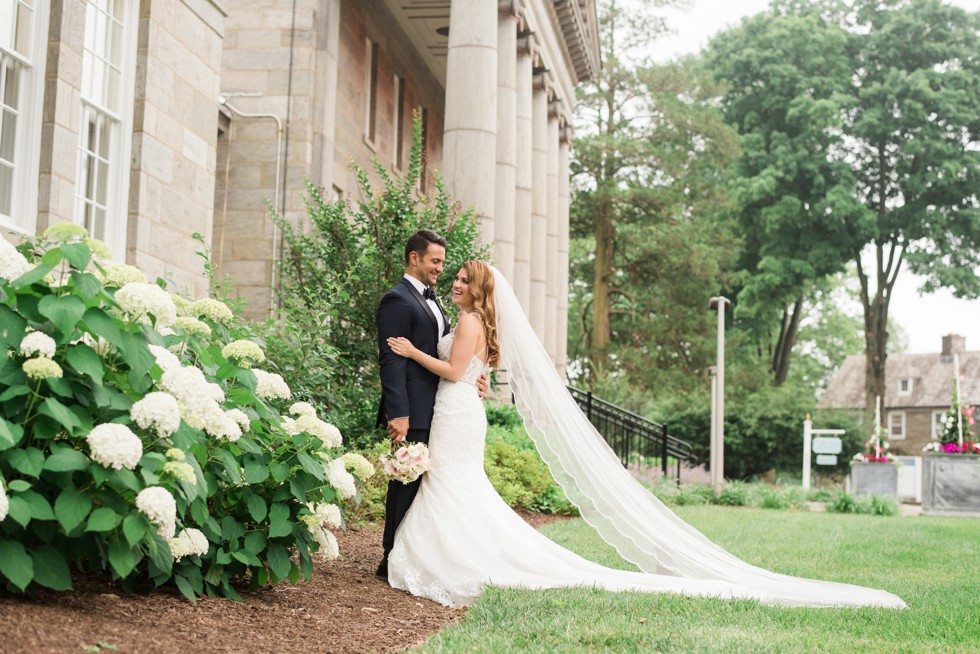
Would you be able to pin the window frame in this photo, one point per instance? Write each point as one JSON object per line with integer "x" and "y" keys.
{"x": 120, "y": 122}
{"x": 27, "y": 133}
{"x": 371, "y": 93}
{"x": 911, "y": 386}
{"x": 936, "y": 415}
{"x": 398, "y": 122}
{"x": 891, "y": 434}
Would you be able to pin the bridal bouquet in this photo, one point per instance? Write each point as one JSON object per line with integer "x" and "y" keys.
{"x": 407, "y": 463}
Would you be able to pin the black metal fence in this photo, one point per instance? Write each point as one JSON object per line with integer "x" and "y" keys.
{"x": 633, "y": 438}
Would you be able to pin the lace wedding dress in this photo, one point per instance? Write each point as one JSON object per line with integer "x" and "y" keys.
{"x": 460, "y": 536}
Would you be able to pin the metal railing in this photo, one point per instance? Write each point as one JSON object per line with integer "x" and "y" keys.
{"x": 632, "y": 437}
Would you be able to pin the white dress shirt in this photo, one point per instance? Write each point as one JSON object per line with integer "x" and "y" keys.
{"x": 420, "y": 287}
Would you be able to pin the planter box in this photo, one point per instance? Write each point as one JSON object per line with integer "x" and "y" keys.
{"x": 951, "y": 484}
{"x": 874, "y": 479}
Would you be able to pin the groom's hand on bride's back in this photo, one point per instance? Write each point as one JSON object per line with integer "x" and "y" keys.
{"x": 398, "y": 429}
{"x": 482, "y": 386}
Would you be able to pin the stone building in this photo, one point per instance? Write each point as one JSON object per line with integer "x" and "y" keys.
{"x": 150, "y": 121}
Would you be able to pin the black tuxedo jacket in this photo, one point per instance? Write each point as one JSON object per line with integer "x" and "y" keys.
{"x": 407, "y": 389}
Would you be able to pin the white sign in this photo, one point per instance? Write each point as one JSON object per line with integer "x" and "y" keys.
{"x": 825, "y": 445}
{"x": 826, "y": 459}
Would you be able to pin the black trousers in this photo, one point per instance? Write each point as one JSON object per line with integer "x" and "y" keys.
{"x": 399, "y": 498}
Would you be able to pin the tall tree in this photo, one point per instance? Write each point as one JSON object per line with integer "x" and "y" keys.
{"x": 649, "y": 167}
{"x": 902, "y": 142}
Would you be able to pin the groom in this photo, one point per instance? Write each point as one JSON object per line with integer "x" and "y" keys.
{"x": 408, "y": 391}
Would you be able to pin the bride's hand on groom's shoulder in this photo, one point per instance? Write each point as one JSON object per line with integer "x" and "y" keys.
{"x": 402, "y": 347}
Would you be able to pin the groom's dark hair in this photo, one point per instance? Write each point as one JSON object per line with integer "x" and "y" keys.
{"x": 419, "y": 242}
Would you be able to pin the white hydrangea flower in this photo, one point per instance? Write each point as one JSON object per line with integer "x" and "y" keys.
{"x": 302, "y": 409}
{"x": 180, "y": 471}
{"x": 65, "y": 232}
{"x": 340, "y": 479}
{"x": 175, "y": 454}
{"x": 239, "y": 417}
{"x": 115, "y": 446}
{"x": 328, "y": 549}
{"x": 210, "y": 308}
{"x": 244, "y": 352}
{"x": 42, "y": 368}
{"x": 99, "y": 249}
{"x": 158, "y": 410}
{"x": 326, "y": 514}
{"x": 140, "y": 299}
{"x": 120, "y": 274}
{"x": 289, "y": 426}
{"x": 182, "y": 304}
{"x": 12, "y": 262}
{"x": 165, "y": 358}
{"x": 189, "y": 542}
{"x": 160, "y": 508}
{"x": 326, "y": 432}
{"x": 4, "y": 502}
{"x": 192, "y": 326}
{"x": 358, "y": 465}
{"x": 197, "y": 398}
{"x": 220, "y": 425}
{"x": 271, "y": 385}
{"x": 37, "y": 343}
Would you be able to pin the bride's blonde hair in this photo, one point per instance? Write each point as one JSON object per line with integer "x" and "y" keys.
{"x": 481, "y": 288}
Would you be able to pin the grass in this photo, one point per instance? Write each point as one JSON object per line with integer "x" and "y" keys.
{"x": 932, "y": 563}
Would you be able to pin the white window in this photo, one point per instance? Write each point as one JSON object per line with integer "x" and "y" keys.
{"x": 371, "y": 91}
{"x": 398, "y": 120}
{"x": 905, "y": 386}
{"x": 105, "y": 132}
{"x": 938, "y": 417}
{"x": 23, "y": 43}
{"x": 896, "y": 425}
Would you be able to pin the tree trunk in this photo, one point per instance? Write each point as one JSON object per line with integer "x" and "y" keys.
{"x": 787, "y": 340}
{"x": 876, "y": 324}
{"x": 600, "y": 293}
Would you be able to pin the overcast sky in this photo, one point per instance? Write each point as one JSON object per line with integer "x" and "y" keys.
{"x": 925, "y": 319}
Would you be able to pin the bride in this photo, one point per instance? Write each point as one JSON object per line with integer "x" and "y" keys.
{"x": 460, "y": 536}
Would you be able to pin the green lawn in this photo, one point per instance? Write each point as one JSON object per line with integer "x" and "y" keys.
{"x": 931, "y": 563}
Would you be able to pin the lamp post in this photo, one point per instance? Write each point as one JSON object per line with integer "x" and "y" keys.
{"x": 719, "y": 304}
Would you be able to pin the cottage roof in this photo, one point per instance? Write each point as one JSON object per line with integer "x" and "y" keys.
{"x": 931, "y": 387}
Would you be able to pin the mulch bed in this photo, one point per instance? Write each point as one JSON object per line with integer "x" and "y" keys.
{"x": 344, "y": 608}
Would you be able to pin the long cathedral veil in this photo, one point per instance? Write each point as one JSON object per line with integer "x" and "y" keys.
{"x": 624, "y": 513}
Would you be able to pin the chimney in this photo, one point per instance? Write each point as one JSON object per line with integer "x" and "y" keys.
{"x": 953, "y": 344}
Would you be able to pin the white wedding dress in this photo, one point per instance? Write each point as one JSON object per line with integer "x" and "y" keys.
{"x": 460, "y": 536}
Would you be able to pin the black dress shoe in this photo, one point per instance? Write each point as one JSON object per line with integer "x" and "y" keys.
{"x": 383, "y": 570}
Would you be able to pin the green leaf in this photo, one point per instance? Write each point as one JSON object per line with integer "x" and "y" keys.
{"x": 255, "y": 542}
{"x": 38, "y": 505}
{"x": 121, "y": 557}
{"x": 279, "y": 470}
{"x": 50, "y": 568}
{"x": 16, "y": 564}
{"x": 71, "y": 508}
{"x": 279, "y": 562}
{"x": 77, "y": 254}
{"x": 64, "y": 311}
{"x": 103, "y": 519}
{"x": 257, "y": 508}
{"x": 14, "y": 391}
{"x": 126, "y": 479}
{"x": 86, "y": 361}
{"x": 99, "y": 323}
{"x": 184, "y": 587}
{"x": 19, "y": 485}
{"x": 279, "y": 524}
{"x": 35, "y": 275}
{"x": 135, "y": 527}
{"x": 10, "y": 434}
{"x": 311, "y": 465}
{"x": 160, "y": 554}
{"x": 231, "y": 529}
{"x": 52, "y": 257}
{"x": 27, "y": 461}
{"x": 60, "y": 414}
{"x": 12, "y": 327}
{"x": 19, "y": 511}
{"x": 66, "y": 459}
{"x": 230, "y": 464}
{"x": 293, "y": 573}
{"x": 86, "y": 284}
{"x": 255, "y": 471}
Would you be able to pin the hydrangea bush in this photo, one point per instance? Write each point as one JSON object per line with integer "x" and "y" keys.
{"x": 138, "y": 437}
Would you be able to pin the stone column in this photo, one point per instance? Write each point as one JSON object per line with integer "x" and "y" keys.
{"x": 539, "y": 207}
{"x": 523, "y": 159}
{"x": 505, "y": 199}
{"x": 564, "y": 198}
{"x": 59, "y": 124}
{"x": 551, "y": 270}
{"x": 470, "y": 135}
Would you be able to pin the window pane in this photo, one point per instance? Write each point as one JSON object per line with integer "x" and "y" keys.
{"x": 8, "y": 135}
{"x": 112, "y": 88}
{"x": 114, "y": 52}
{"x": 6, "y": 189}
{"x": 102, "y": 183}
{"x": 90, "y": 18}
{"x": 23, "y": 30}
{"x": 11, "y": 83}
{"x": 98, "y": 224}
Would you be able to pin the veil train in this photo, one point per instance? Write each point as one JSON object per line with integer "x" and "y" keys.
{"x": 624, "y": 513}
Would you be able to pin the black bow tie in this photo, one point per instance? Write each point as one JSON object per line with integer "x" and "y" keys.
{"x": 429, "y": 294}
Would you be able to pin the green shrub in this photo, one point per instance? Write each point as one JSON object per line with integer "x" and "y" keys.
{"x": 94, "y": 483}
{"x": 503, "y": 415}
{"x": 336, "y": 267}
{"x": 517, "y": 474}
{"x": 735, "y": 493}
{"x": 878, "y": 505}
{"x": 369, "y": 505}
